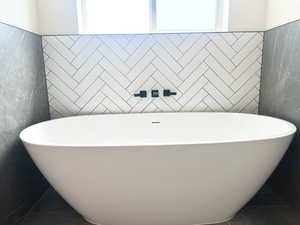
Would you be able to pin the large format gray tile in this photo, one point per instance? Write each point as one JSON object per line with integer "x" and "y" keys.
{"x": 23, "y": 102}
{"x": 53, "y": 210}
{"x": 280, "y": 97}
{"x": 267, "y": 215}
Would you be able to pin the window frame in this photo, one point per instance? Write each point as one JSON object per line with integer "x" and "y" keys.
{"x": 222, "y": 18}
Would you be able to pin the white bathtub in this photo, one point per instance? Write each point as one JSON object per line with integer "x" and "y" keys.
{"x": 158, "y": 169}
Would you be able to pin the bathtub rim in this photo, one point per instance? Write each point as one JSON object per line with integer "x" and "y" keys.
{"x": 292, "y": 131}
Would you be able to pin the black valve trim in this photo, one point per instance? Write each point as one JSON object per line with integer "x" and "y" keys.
{"x": 168, "y": 93}
{"x": 142, "y": 94}
{"x": 155, "y": 93}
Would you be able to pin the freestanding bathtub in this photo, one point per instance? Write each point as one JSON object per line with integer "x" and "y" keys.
{"x": 158, "y": 169}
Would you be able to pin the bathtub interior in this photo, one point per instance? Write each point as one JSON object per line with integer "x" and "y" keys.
{"x": 156, "y": 129}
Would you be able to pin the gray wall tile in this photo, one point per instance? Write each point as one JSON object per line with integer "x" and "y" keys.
{"x": 280, "y": 97}
{"x": 23, "y": 101}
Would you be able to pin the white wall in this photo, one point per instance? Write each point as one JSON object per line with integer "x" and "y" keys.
{"x": 247, "y": 15}
{"x": 58, "y": 16}
{"x": 280, "y": 12}
{"x": 20, "y": 13}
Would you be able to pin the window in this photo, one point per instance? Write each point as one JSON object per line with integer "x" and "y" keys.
{"x": 144, "y": 16}
{"x": 189, "y": 15}
{"x": 115, "y": 16}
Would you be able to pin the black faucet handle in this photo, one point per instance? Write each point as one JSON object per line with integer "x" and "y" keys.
{"x": 155, "y": 93}
{"x": 168, "y": 93}
{"x": 142, "y": 94}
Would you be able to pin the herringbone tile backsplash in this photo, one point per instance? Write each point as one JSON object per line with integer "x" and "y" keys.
{"x": 100, "y": 73}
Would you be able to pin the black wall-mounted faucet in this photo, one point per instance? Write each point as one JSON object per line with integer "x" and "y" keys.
{"x": 168, "y": 93}
{"x": 155, "y": 93}
{"x": 142, "y": 94}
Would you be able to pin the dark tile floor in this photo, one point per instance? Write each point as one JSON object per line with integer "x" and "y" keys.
{"x": 265, "y": 209}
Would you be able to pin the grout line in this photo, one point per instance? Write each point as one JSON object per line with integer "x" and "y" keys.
{"x": 23, "y": 29}
{"x": 33, "y": 206}
{"x": 282, "y": 25}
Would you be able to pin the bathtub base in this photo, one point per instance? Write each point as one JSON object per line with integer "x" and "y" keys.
{"x": 91, "y": 222}
{"x": 213, "y": 222}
